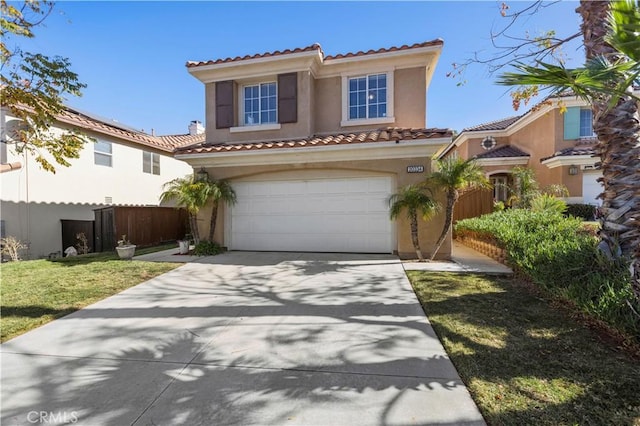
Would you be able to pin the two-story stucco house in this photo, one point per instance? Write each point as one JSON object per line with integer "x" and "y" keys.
{"x": 123, "y": 167}
{"x": 555, "y": 139}
{"x": 315, "y": 144}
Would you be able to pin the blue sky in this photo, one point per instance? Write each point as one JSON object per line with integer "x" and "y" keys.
{"x": 132, "y": 55}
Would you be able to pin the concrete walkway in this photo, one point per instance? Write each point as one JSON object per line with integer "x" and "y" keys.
{"x": 242, "y": 339}
{"x": 463, "y": 259}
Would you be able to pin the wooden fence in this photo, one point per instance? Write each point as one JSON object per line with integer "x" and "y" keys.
{"x": 473, "y": 203}
{"x": 143, "y": 226}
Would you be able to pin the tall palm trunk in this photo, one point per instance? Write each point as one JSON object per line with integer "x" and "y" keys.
{"x": 214, "y": 219}
{"x": 618, "y": 147}
{"x": 452, "y": 197}
{"x": 414, "y": 236}
{"x": 193, "y": 224}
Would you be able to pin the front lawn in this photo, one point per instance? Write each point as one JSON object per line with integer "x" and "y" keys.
{"x": 524, "y": 360}
{"x": 38, "y": 291}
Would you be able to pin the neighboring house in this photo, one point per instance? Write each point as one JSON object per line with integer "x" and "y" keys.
{"x": 315, "y": 144}
{"x": 123, "y": 166}
{"x": 557, "y": 145}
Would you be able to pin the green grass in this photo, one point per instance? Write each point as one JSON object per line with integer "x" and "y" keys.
{"x": 525, "y": 361}
{"x": 36, "y": 292}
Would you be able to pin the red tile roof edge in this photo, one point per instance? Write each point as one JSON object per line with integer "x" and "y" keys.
{"x": 167, "y": 143}
{"x": 315, "y": 46}
{"x": 368, "y": 136}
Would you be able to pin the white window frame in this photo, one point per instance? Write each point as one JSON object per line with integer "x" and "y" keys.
{"x": 365, "y": 121}
{"x": 152, "y": 169}
{"x": 109, "y": 155}
{"x": 241, "y": 97}
{"x": 592, "y": 132}
{"x": 242, "y": 126}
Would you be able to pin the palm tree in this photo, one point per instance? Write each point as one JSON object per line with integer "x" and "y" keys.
{"x": 220, "y": 190}
{"x": 612, "y": 67}
{"x": 191, "y": 194}
{"x": 453, "y": 175}
{"x": 413, "y": 199}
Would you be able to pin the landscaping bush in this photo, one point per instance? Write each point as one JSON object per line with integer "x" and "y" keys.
{"x": 207, "y": 248}
{"x": 582, "y": 211}
{"x": 560, "y": 255}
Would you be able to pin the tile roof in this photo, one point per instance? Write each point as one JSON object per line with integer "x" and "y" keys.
{"x": 165, "y": 143}
{"x": 369, "y": 136}
{"x": 494, "y": 125}
{"x": 315, "y": 46}
{"x": 568, "y": 152}
{"x": 504, "y": 151}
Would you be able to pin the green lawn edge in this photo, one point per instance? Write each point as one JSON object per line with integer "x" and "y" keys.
{"x": 35, "y": 292}
{"x": 523, "y": 360}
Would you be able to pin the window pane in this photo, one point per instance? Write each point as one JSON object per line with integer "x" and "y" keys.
{"x": 264, "y": 103}
{"x": 362, "y": 112}
{"x": 586, "y": 125}
{"x": 362, "y": 98}
{"x": 362, "y": 83}
{"x": 146, "y": 162}
{"x": 264, "y": 117}
{"x": 156, "y": 164}
{"x": 373, "y": 82}
{"x": 382, "y": 110}
{"x": 382, "y": 80}
{"x": 102, "y": 146}
{"x": 248, "y": 118}
{"x": 353, "y": 112}
{"x": 102, "y": 159}
{"x": 264, "y": 90}
{"x": 373, "y": 111}
{"x": 353, "y": 84}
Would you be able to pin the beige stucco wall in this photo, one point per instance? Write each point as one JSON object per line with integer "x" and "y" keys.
{"x": 409, "y": 104}
{"x": 540, "y": 139}
{"x": 300, "y": 129}
{"x": 428, "y": 231}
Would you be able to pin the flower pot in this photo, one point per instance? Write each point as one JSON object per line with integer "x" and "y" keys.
{"x": 184, "y": 246}
{"x": 126, "y": 252}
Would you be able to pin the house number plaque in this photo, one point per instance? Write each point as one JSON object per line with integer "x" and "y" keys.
{"x": 415, "y": 169}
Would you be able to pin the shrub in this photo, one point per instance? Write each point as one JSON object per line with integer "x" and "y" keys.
{"x": 207, "y": 248}
{"x": 582, "y": 211}
{"x": 12, "y": 247}
{"x": 546, "y": 202}
{"x": 560, "y": 255}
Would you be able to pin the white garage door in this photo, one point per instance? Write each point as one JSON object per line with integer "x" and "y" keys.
{"x": 324, "y": 215}
{"x": 591, "y": 188}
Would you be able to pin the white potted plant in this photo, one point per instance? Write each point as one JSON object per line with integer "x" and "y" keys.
{"x": 184, "y": 246}
{"x": 125, "y": 249}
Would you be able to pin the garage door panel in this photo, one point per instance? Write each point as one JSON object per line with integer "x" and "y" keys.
{"x": 339, "y": 215}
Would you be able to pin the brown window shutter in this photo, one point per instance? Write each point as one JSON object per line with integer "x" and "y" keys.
{"x": 288, "y": 98}
{"x": 224, "y": 104}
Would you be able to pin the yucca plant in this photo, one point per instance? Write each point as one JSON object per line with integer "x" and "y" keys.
{"x": 414, "y": 200}
{"x": 452, "y": 176}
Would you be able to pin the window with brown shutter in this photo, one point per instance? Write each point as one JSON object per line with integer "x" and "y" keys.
{"x": 288, "y": 98}
{"x": 224, "y": 104}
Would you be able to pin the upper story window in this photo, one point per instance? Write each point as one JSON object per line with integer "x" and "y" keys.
{"x": 368, "y": 97}
{"x": 586, "y": 123}
{"x": 103, "y": 153}
{"x": 260, "y": 103}
{"x": 150, "y": 163}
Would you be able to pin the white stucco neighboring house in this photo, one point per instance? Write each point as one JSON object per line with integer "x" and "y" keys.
{"x": 123, "y": 166}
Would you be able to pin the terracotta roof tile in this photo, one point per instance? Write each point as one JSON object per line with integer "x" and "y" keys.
{"x": 310, "y": 48}
{"x": 504, "y": 151}
{"x": 435, "y": 42}
{"x": 568, "y": 152}
{"x": 494, "y": 125}
{"x": 381, "y": 135}
{"x": 165, "y": 143}
{"x": 315, "y": 46}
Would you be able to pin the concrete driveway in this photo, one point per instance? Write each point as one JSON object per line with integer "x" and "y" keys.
{"x": 242, "y": 339}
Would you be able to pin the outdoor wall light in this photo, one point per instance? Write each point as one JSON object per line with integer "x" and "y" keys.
{"x": 202, "y": 175}
{"x": 573, "y": 170}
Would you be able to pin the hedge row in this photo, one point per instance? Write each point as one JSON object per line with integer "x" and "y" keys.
{"x": 560, "y": 255}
